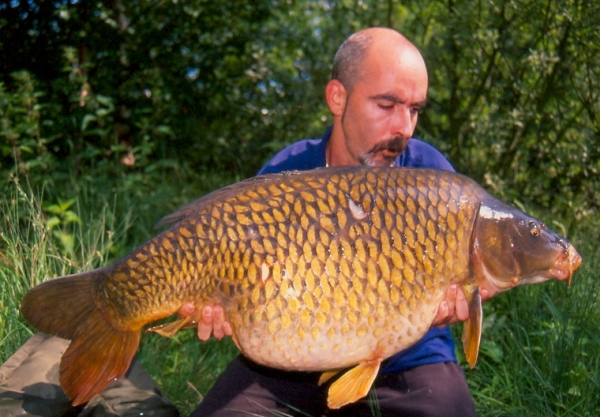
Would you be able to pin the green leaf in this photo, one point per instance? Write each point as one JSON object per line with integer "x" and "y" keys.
{"x": 87, "y": 119}
{"x": 52, "y": 222}
{"x": 71, "y": 217}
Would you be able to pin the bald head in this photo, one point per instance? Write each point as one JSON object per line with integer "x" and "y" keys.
{"x": 348, "y": 63}
{"x": 378, "y": 87}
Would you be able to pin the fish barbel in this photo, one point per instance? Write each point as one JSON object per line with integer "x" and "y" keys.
{"x": 318, "y": 270}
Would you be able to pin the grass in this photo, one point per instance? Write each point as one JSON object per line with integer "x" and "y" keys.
{"x": 541, "y": 344}
{"x": 30, "y": 253}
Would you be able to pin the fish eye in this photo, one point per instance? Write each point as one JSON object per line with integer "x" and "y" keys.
{"x": 534, "y": 229}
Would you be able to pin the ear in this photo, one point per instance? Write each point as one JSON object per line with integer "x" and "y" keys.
{"x": 336, "y": 96}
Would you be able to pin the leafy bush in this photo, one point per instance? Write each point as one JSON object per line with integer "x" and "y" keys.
{"x": 23, "y": 148}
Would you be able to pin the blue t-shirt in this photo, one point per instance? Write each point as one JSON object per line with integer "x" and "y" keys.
{"x": 437, "y": 344}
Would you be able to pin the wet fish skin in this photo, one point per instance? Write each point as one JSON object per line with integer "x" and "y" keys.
{"x": 318, "y": 270}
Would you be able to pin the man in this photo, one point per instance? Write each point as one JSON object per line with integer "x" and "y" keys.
{"x": 378, "y": 87}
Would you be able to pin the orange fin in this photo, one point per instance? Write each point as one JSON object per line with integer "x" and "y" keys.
{"x": 98, "y": 353}
{"x": 327, "y": 375}
{"x": 169, "y": 329}
{"x": 59, "y": 306}
{"x": 96, "y": 358}
{"x": 353, "y": 385}
{"x": 471, "y": 337}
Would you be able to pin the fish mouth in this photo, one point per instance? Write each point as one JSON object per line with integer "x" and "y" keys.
{"x": 560, "y": 274}
{"x": 566, "y": 264}
{"x": 563, "y": 268}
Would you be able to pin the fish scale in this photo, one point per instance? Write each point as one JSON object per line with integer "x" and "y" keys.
{"x": 316, "y": 271}
{"x": 342, "y": 248}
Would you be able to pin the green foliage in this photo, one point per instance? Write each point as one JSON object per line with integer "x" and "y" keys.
{"x": 23, "y": 148}
{"x": 514, "y": 94}
{"x": 29, "y": 253}
{"x": 61, "y": 216}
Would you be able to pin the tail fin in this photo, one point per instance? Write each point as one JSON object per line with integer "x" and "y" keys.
{"x": 99, "y": 353}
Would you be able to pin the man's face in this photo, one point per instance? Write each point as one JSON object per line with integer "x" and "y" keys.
{"x": 383, "y": 105}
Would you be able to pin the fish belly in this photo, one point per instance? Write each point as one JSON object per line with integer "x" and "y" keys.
{"x": 316, "y": 340}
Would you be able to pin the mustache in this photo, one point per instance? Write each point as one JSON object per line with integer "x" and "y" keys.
{"x": 397, "y": 145}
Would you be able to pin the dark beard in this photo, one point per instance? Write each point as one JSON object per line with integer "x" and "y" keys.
{"x": 396, "y": 145}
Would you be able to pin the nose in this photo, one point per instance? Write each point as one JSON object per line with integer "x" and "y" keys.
{"x": 403, "y": 123}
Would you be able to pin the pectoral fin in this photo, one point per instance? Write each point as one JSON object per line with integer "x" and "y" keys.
{"x": 327, "y": 375}
{"x": 169, "y": 329}
{"x": 353, "y": 385}
{"x": 471, "y": 336}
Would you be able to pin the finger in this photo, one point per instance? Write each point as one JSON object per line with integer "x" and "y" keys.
{"x": 217, "y": 315}
{"x": 186, "y": 309}
{"x": 451, "y": 300}
{"x": 218, "y": 319}
{"x": 205, "y": 326}
{"x": 461, "y": 311}
{"x": 442, "y": 314}
{"x": 226, "y": 327}
{"x": 484, "y": 293}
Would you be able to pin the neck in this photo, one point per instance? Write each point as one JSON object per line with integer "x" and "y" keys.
{"x": 336, "y": 152}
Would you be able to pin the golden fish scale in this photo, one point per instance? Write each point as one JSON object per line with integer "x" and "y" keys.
{"x": 351, "y": 265}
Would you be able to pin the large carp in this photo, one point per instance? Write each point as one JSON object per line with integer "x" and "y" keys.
{"x": 316, "y": 271}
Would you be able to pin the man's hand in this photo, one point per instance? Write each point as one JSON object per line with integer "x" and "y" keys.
{"x": 455, "y": 308}
{"x": 211, "y": 320}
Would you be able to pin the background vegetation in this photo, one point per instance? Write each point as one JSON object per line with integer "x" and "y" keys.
{"x": 115, "y": 113}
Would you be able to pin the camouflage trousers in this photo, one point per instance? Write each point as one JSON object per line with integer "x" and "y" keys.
{"x": 29, "y": 387}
